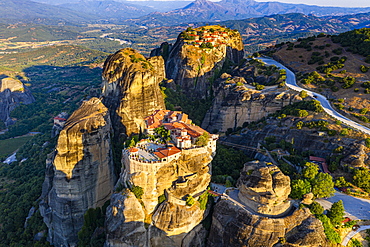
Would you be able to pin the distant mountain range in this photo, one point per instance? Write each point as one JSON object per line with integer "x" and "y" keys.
{"x": 265, "y": 31}
{"x": 206, "y": 11}
{"x": 109, "y": 11}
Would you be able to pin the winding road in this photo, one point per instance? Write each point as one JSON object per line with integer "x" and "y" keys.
{"x": 353, "y": 233}
{"x": 291, "y": 82}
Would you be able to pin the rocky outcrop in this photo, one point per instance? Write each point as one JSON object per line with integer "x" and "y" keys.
{"x": 264, "y": 188}
{"x": 264, "y": 217}
{"x": 236, "y": 103}
{"x": 199, "y": 55}
{"x": 12, "y": 94}
{"x": 172, "y": 222}
{"x": 233, "y": 226}
{"x": 131, "y": 89}
{"x": 319, "y": 144}
{"x": 79, "y": 175}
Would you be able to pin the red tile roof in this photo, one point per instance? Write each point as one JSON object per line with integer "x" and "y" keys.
{"x": 60, "y": 119}
{"x": 165, "y": 152}
{"x": 318, "y": 159}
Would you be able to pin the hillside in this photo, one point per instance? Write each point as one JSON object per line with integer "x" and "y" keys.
{"x": 335, "y": 67}
{"x": 13, "y": 11}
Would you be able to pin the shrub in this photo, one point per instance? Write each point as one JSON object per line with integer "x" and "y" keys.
{"x": 367, "y": 142}
{"x": 138, "y": 191}
{"x": 364, "y": 69}
{"x": 364, "y": 111}
{"x": 303, "y": 94}
{"x": 161, "y": 198}
{"x": 338, "y": 149}
{"x": 344, "y": 132}
{"x": 190, "y": 200}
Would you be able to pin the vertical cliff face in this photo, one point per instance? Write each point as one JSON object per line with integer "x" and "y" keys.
{"x": 199, "y": 55}
{"x": 131, "y": 88}
{"x": 80, "y": 172}
{"x": 146, "y": 221}
{"x": 236, "y": 102}
{"x": 12, "y": 93}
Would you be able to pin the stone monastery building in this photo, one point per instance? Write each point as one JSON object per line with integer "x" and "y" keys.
{"x": 183, "y": 135}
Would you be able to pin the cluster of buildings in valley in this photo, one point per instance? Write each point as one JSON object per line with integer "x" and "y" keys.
{"x": 182, "y": 135}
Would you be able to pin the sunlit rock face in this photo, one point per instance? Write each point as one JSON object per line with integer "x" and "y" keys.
{"x": 199, "y": 55}
{"x": 80, "y": 172}
{"x": 150, "y": 222}
{"x": 131, "y": 89}
{"x": 264, "y": 188}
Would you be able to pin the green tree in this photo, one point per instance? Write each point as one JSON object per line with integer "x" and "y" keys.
{"x": 341, "y": 182}
{"x": 310, "y": 171}
{"x": 164, "y": 134}
{"x": 323, "y": 185}
{"x": 329, "y": 231}
{"x": 361, "y": 178}
{"x": 203, "y": 139}
{"x": 316, "y": 208}
{"x": 299, "y": 188}
{"x": 302, "y": 113}
{"x": 336, "y": 213}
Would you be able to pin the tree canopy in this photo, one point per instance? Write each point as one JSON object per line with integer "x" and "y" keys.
{"x": 323, "y": 185}
{"x": 336, "y": 213}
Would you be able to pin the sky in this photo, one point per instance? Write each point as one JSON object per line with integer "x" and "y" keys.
{"x": 337, "y": 3}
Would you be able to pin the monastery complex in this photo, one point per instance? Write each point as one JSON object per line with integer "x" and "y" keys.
{"x": 181, "y": 135}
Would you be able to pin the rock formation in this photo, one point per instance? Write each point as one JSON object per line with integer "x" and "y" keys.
{"x": 264, "y": 188}
{"x": 236, "y": 103}
{"x": 131, "y": 89}
{"x": 233, "y": 226}
{"x": 198, "y": 56}
{"x": 12, "y": 93}
{"x": 79, "y": 174}
{"x": 267, "y": 218}
{"x": 146, "y": 221}
{"x": 303, "y": 140}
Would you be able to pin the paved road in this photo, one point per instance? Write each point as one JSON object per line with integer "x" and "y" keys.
{"x": 291, "y": 82}
{"x": 353, "y": 233}
{"x": 356, "y": 208}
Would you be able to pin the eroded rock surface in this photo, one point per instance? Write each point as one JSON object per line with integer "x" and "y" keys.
{"x": 79, "y": 174}
{"x": 131, "y": 88}
{"x": 12, "y": 94}
{"x": 233, "y": 226}
{"x": 236, "y": 103}
{"x": 264, "y": 188}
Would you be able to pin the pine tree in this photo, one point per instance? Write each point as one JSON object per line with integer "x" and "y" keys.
{"x": 336, "y": 213}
